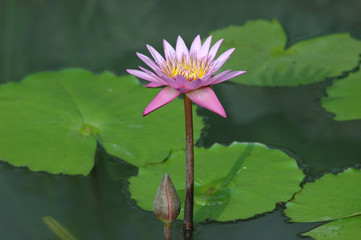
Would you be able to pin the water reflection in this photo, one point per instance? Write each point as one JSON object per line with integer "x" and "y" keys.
{"x": 290, "y": 118}
{"x": 98, "y": 207}
{"x": 103, "y": 35}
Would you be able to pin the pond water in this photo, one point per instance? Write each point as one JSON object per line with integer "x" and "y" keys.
{"x": 39, "y": 35}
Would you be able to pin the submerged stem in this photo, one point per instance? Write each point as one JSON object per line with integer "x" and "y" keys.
{"x": 189, "y": 188}
{"x": 167, "y": 231}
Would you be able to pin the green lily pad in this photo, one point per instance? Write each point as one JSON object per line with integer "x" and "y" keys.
{"x": 261, "y": 51}
{"x": 328, "y": 198}
{"x": 342, "y": 229}
{"x": 51, "y": 121}
{"x": 234, "y": 182}
{"x": 332, "y": 197}
{"x": 344, "y": 98}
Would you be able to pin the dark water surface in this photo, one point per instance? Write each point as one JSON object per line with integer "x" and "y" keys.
{"x": 40, "y": 35}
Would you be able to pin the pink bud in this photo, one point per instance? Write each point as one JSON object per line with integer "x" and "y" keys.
{"x": 166, "y": 203}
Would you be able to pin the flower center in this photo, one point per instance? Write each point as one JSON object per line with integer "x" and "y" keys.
{"x": 191, "y": 68}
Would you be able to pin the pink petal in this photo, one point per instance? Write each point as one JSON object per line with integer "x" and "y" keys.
{"x": 215, "y": 78}
{"x": 154, "y": 85}
{"x": 166, "y": 95}
{"x": 217, "y": 64}
{"x": 155, "y": 54}
{"x": 149, "y": 62}
{"x": 205, "y": 47}
{"x": 206, "y": 77}
{"x": 181, "y": 48}
{"x": 182, "y": 90}
{"x": 195, "y": 84}
{"x": 226, "y": 77}
{"x": 143, "y": 75}
{"x": 159, "y": 80}
{"x": 180, "y": 83}
{"x": 196, "y": 46}
{"x": 206, "y": 98}
{"x": 171, "y": 82}
{"x": 198, "y": 83}
{"x": 212, "y": 53}
{"x": 169, "y": 51}
{"x": 181, "y": 80}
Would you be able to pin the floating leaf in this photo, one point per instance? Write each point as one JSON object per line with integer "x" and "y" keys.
{"x": 328, "y": 198}
{"x": 342, "y": 229}
{"x": 50, "y": 121}
{"x": 261, "y": 50}
{"x": 234, "y": 182}
{"x": 344, "y": 98}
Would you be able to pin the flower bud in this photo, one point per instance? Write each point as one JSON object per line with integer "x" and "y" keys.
{"x": 166, "y": 205}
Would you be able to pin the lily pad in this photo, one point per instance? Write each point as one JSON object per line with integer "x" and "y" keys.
{"x": 344, "y": 98}
{"x": 234, "y": 182}
{"x": 51, "y": 121}
{"x": 342, "y": 229}
{"x": 261, "y": 51}
{"x": 332, "y": 197}
{"x": 328, "y": 198}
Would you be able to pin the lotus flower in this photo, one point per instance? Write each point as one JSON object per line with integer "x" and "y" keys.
{"x": 186, "y": 71}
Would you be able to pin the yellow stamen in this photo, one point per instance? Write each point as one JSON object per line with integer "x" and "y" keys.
{"x": 191, "y": 68}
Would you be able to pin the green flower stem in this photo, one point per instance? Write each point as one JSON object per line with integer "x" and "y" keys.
{"x": 167, "y": 231}
{"x": 189, "y": 188}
